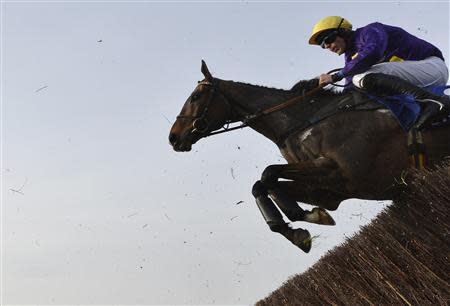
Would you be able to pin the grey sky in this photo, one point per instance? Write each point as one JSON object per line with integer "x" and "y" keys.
{"x": 108, "y": 213}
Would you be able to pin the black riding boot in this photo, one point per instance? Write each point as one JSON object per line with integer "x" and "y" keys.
{"x": 387, "y": 85}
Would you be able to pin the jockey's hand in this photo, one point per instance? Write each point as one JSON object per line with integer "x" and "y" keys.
{"x": 325, "y": 79}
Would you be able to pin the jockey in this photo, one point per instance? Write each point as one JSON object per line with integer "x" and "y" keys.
{"x": 385, "y": 60}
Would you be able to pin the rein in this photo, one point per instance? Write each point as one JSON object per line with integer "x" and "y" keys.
{"x": 295, "y": 100}
{"x": 288, "y": 103}
{"x": 249, "y": 118}
{"x": 200, "y": 124}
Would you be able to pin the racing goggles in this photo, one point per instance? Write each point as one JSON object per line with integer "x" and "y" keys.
{"x": 327, "y": 39}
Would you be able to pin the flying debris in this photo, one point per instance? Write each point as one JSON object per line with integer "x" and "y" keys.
{"x": 242, "y": 263}
{"x": 167, "y": 119}
{"x": 421, "y": 29}
{"x": 100, "y": 40}
{"x": 42, "y": 88}
{"x": 20, "y": 189}
{"x": 239, "y": 202}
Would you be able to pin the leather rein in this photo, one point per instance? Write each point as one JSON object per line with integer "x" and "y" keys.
{"x": 201, "y": 125}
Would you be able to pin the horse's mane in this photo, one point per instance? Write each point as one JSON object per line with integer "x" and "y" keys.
{"x": 263, "y": 87}
{"x": 307, "y": 85}
{"x": 299, "y": 88}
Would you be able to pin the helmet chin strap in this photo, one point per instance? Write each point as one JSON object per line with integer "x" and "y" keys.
{"x": 340, "y": 23}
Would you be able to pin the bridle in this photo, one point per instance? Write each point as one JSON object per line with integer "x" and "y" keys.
{"x": 200, "y": 123}
{"x": 198, "y": 120}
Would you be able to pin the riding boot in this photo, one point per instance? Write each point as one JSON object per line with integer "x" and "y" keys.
{"x": 388, "y": 85}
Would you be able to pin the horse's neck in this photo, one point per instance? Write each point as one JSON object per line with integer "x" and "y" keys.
{"x": 250, "y": 99}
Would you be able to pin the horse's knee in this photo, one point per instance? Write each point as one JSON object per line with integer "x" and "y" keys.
{"x": 259, "y": 189}
{"x": 270, "y": 175}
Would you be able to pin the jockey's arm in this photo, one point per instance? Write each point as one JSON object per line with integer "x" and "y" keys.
{"x": 370, "y": 51}
{"x": 325, "y": 79}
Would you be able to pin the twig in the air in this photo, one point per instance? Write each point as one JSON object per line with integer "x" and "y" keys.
{"x": 167, "y": 119}
{"x": 20, "y": 189}
{"x": 42, "y": 88}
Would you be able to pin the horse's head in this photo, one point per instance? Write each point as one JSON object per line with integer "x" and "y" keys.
{"x": 204, "y": 111}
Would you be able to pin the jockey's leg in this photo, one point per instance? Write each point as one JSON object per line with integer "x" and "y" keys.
{"x": 274, "y": 219}
{"x": 409, "y": 77}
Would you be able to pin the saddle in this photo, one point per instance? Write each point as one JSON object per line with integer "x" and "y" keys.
{"x": 404, "y": 107}
{"x": 352, "y": 101}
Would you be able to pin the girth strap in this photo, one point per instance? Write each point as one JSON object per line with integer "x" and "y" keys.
{"x": 416, "y": 149}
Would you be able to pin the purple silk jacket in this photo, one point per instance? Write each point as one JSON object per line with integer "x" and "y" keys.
{"x": 377, "y": 43}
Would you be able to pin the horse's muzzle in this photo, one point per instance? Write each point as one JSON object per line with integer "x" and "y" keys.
{"x": 181, "y": 144}
{"x": 173, "y": 138}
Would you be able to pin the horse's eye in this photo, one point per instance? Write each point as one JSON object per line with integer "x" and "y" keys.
{"x": 195, "y": 97}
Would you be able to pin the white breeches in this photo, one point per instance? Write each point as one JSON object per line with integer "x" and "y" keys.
{"x": 431, "y": 71}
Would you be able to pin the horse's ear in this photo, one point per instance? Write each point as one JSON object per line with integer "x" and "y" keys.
{"x": 206, "y": 72}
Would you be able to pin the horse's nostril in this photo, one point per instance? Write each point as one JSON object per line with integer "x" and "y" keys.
{"x": 172, "y": 138}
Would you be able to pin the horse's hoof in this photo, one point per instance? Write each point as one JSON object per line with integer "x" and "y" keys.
{"x": 319, "y": 216}
{"x": 302, "y": 239}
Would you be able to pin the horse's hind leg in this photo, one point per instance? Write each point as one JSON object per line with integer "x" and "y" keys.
{"x": 274, "y": 219}
{"x": 269, "y": 185}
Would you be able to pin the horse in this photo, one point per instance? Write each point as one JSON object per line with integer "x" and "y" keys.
{"x": 349, "y": 153}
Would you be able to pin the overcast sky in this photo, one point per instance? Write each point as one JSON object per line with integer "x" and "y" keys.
{"x": 96, "y": 206}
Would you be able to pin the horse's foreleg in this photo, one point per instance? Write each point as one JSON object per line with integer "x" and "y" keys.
{"x": 315, "y": 180}
{"x": 294, "y": 212}
{"x": 308, "y": 178}
{"x": 320, "y": 196}
{"x": 274, "y": 219}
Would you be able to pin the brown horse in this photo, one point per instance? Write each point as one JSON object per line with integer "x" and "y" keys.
{"x": 331, "y": 156}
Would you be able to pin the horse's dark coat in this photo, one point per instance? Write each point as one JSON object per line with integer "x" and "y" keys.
{"x": 351, "y": 154}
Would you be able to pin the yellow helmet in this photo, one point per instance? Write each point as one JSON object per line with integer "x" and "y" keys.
{"x": 329, "y": 23}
